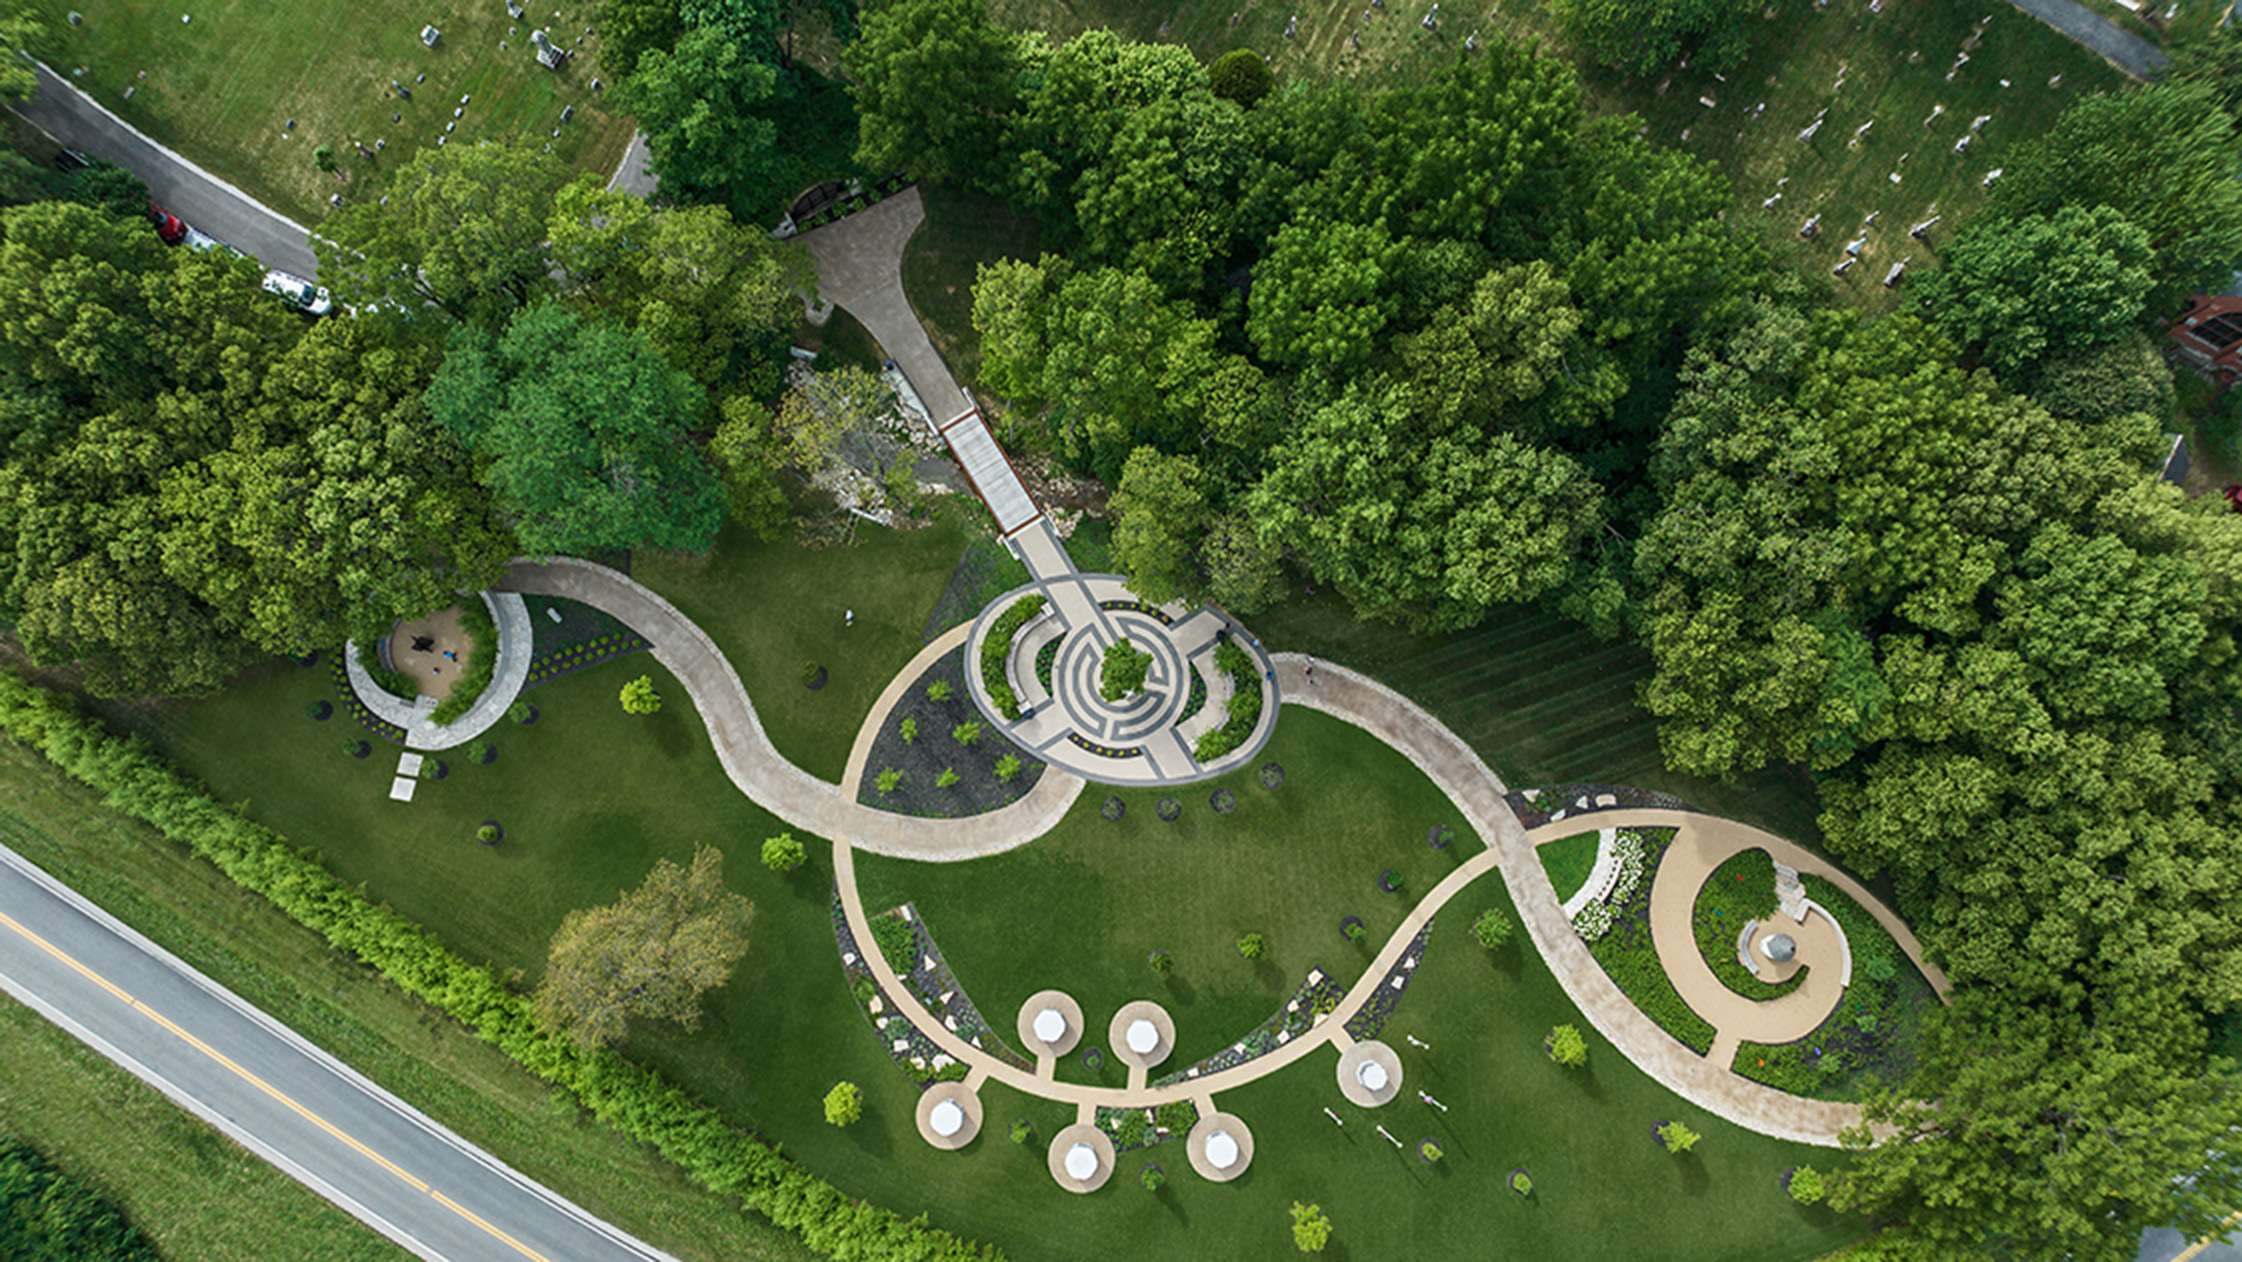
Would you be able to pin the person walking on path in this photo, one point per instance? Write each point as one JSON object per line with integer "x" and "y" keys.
{"x": 1308, "y": 669}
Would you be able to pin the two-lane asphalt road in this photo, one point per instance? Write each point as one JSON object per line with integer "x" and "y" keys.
{"x": 290, "y": 1103}
{"x": 179, "y": 186}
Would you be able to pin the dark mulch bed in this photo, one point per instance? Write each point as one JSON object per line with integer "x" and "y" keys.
{"x": 583, "y": 637}
{"x": 985, "y": 572}
{"x": 1535, "y": 807}
{"x": 923, "y": 760}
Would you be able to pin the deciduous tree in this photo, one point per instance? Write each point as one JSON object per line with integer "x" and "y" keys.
{"x": 652, "y": 953}
{"x": 935, "y": 87}
{"x": 582, "y": 428}
{"x": 2027, "y": 288}
{"x": 464, "y": 229}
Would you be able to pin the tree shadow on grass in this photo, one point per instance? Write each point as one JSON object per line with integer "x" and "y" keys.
{"x": 1695, "y": 1181}
{"x": 1591, "y": 1085}
{"x": 1181, "y": 990}
{"x": 874, "y": 1133}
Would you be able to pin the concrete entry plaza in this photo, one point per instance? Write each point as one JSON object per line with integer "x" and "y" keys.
{"x": 1137, "y": 740}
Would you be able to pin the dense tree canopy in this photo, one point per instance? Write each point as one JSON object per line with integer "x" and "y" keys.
{"x": 2162, "y": 157}
{"x": 465, "y": 231}
{"x": 1642, "y": 37}
{"x": 2032, "y": 287}
{"x": 579, "y": 427}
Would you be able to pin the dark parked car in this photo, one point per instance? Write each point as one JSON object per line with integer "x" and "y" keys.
{"x": 71, "y": 160}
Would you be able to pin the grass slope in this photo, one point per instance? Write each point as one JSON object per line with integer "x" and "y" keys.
{"x": 1542, "y": 700}
{"x": 1086, "y": 905}
{"x": 589, "y": 798}
{"x": 194, "y": 1192}
{"x": 1569, "y": 861}
{"x": 198, "y": 1195}
{"x": 220, "y": 89}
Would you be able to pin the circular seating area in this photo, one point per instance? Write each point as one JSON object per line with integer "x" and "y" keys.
{"x": 1369, "y": 1074}
{"x": 1141, "y": 1034}
{"x": 1050, "y": 1023}
{"x": 1081, "y": 1158}
{"x": 1220, "y": 1147}
{"x": 949, "y": 1115}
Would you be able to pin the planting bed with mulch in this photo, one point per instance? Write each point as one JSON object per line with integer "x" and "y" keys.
{"x": 908, "y": 947}
{"x": 1319, "y": 994}
{"x": 1875, "y": 1032}
{"x": 583, "y": 637}
{"x": 923, "y": 759}
{"x": 1536, "y": 807}
{"x": 1374, "y": 1013}
{"x": 1631, "y": 959}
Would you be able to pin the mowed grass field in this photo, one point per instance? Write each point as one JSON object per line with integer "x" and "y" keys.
{"x": 1894, "y": 67}
{"x": 591, "y": 797}
{"x": 221, "y": 88}
{"x": 1078, "y": 909}
{"x": 194, "y": 1191}
{"x": 1541, "y": 698}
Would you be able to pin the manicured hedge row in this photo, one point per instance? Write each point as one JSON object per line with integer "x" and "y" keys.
{"x": 134, "y": 780}
{"x": 999, "y": 646}
{"x": 1243, "y": 708}
{"x": 482, "y": 659}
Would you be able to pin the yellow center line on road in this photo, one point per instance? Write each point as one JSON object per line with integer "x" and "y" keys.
{"x": 2195, "y": 1250}
{"x": 274, "y": 1092}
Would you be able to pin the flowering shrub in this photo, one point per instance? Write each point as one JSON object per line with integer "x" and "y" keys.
{"x": 1593, "y": 921}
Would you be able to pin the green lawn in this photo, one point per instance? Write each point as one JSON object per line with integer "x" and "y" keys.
{"x": 1568, "y": 861}
{"x": 962, "y": 231}
{"x": 221, "y": 89}
{"x": 1084, "y": 907}
{"x": 771, "y": 607}
{"x": 199, "y": 1196}
{"x": 590, "y": 798}
{"x": 1541, "y": 698}
{"x": 194, "y": 1192}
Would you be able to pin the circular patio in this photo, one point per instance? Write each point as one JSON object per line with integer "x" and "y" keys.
{"x": 1050, "y": 1023}
{"x": 949, "y": 1115}
{"x": 1141, "y": 1034}
{"x": 1081, "y": 1158}
{"x": 1220, "y": 1146}
{"x": 1369, "y": 1074}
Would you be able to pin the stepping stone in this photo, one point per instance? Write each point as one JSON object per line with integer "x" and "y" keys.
{"x": 401, "y": 788}
{"x": 408, "y": 764}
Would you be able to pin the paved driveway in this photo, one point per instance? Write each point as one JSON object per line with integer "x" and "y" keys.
{"x": 186, "y": 190}
{"x": 290, "y": 1103}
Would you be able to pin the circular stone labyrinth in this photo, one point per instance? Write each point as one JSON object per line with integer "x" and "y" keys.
{"x": 1133, "y": 719}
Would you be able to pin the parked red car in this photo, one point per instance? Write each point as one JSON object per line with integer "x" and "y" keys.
{"x": 168, "y": 226}
{"x": 2234, "y": 497}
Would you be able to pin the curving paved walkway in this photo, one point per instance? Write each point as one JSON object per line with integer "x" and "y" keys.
{"x": 746, "y": 752}
{"x": 824, "y": 809}
{"x": 1476, "y": 791}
